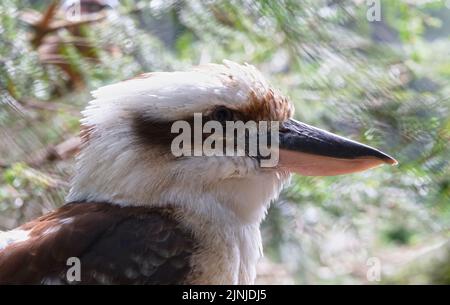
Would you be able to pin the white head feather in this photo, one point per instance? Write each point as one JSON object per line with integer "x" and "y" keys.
{"x": 113, "y": 168}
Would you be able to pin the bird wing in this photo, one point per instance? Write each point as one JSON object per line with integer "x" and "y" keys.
{"x": 111, "y": 245}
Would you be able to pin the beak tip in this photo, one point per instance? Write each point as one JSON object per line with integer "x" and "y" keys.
{"x": 391, "y": 161}
{"x": 383, "y": 157}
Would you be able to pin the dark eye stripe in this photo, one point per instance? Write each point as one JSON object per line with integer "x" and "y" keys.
{"x": 222, "y": 114}
{"x": 155, "y": 132}
{"x": 150, "y": 131}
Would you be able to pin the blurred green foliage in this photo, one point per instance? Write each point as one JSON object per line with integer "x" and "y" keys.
{"x": 385, "y": 83}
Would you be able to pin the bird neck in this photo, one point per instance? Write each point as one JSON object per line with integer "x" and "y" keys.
{"x": 224, "y": 213}
{"x": 221, "y": 192}
{"x": 233, "y": 251}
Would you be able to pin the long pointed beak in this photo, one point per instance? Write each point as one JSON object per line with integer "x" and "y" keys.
{"x": 311, "y": 151}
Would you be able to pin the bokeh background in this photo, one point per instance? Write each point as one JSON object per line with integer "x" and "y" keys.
{"x": 385, "y": 83}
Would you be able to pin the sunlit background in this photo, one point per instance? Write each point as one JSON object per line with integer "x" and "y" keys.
{"x": 379, "y": 77}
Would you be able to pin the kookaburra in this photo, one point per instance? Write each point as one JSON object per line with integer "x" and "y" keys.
{"x": 138, "y": 214}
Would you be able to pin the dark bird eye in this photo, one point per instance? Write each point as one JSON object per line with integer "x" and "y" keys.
{"x": 222, "y": 114}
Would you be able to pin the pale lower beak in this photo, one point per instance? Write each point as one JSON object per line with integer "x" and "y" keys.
{"x": 311, "y": 151}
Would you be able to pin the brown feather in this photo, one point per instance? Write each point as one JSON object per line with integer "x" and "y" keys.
{"x": 115, "y": 245}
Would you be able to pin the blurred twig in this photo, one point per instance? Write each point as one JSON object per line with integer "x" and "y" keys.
{"x": 48, "y": 106}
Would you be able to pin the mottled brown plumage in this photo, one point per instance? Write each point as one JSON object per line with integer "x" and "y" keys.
{"x": 115, "y": 245}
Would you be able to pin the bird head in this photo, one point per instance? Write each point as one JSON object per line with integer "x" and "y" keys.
{"x": 128, "y": 143}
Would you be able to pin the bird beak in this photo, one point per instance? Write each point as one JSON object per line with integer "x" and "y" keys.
{"x": 311, "y": 151}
